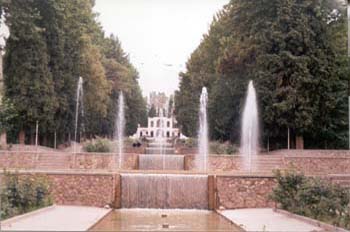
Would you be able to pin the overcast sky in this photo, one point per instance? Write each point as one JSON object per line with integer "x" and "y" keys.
{"x": 159, "y": 35}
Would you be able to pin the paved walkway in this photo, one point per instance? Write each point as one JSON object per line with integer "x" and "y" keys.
{"x": 56, "y": 218}
{"x": 266, "y": 220}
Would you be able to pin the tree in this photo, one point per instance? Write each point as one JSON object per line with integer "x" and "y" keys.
{"x": 186, "y": 107}
{"x": 27, "y": 78}
{"x": 66, "y": 41}
{"x": 152, "y": 112}
{"x": 289, "y": 48}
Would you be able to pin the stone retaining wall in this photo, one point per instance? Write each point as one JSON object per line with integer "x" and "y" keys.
{"x": 82, "y": 189}
{"x": 244, "y": 191}
{"x": 217, "y": 163}
{"x": 311, "y": 162}
{"x": 318, "y": 162}
{"x": 17, "y": 160}
{"x": 104, "y": 188}
{"x": 61, "y": 161}
{"x": 77, "y": 188}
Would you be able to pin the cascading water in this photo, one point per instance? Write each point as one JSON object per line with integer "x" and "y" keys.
{"x": 250, "y": 127}
{"x": 142, "y": 190}
{"x": 119, "y": 132}
{"x": 78, "y": 104}
{"x": 202, "y": 158}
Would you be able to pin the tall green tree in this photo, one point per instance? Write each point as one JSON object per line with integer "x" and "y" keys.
{"x": 27, "y": 77}
{"x": 67, "y": 41}
{"x": 290, "y": 49}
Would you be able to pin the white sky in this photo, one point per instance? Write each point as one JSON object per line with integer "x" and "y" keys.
{"x": 159, "y": 35}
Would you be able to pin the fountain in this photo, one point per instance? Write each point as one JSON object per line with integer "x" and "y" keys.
{"x": 250, "y": 128}
{"x": 119, "y": 128}
{"x": 79, "y": 103}
{"x": 160, "y": 136}
{"x": 202, "y": 158}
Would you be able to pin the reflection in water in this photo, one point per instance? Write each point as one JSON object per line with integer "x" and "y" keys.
{"x": 164, "y": 220}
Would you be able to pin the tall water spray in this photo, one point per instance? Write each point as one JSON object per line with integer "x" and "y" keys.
{"x": 202, "y": 159}
{"x": 160, "y": 136}
{"x": 120, "y": 125}
{"x": 250, "y": 127}
{"x": 78, "y": 104}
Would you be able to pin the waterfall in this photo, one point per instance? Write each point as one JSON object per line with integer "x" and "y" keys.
{"x": 164, "y": 191}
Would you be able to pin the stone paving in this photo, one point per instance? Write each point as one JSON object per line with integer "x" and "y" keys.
{"x": 265, "y": 219}
{"x": 56, "y": 218}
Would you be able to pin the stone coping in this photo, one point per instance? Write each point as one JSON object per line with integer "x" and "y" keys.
{"x": 266, "y": 219}
{"x": 60, "y": 172}
{"x": 246, "y": 175}
{"x": 62, "y": 153}
{"x": 57, "y": 218}
{"x": 307, "y": 153}
{"x": 339, "y": 175}
{"x": 314, "y": 222}
{"x": 26, "y": 215}
{"x": 106, "y": 172}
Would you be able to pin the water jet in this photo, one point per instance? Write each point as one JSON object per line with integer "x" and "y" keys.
{"x": 250, "y": 127}
{"x": 202, "y": 157}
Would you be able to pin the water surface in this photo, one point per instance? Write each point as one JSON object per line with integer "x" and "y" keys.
{"x": 164, "y": 220}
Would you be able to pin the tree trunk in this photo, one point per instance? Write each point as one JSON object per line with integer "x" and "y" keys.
{"x": 32, "y": 138}
{"x": 299, "y": 142}
{"x": 3, "y": 140}
{"x": 45, "y": 140}
{"x": 22, "y": 137}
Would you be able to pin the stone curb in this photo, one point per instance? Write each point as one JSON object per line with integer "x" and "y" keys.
{"x": 311, "y": 221}
{"x": 11, "y": 220}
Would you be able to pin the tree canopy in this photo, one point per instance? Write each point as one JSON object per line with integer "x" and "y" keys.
{"x": 51, "y": 44}
{"x": 293, "y": 50}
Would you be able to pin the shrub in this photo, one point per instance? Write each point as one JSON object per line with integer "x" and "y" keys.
{"x": 189, "y": 142}
{"x": 130, "y": 142}
{"x": 312, "y": 197}
{"x": 22, "y": 194}
{"x": 222, "y": 148}
{"x": 98, "y": 145}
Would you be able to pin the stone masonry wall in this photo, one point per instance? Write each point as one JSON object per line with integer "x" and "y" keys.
{"x": 16, "y": 160}
{"x": 62, "y": 161}
{"x": 244, "y": 191}
{"x": 82, "y": 189}
{"x": 311, "y": 162}
{"x": 104, "y": 188}
{"x": 217, "y": 162}
{"x": 85, "y": 189}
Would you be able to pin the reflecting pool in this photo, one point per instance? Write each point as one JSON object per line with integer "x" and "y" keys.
{"x": 164, "y": 220}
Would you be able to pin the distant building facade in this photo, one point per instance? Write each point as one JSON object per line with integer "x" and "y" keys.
{"x": 158, "y": 127}
{"x": 158, "y": 100}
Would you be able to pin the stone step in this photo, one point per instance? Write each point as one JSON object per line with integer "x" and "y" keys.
{"x": 151, "y": 145}
{"x": 160, "y": 162}
{"x": 53, "y": 161}
{"x": 157, "y": 150}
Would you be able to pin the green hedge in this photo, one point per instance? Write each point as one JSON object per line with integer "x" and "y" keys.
{"x": 98, "y": 145}
{"x": 312, "y": 197}
{"x": 22, "y": 194}
{"x": 222, "y": 148}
